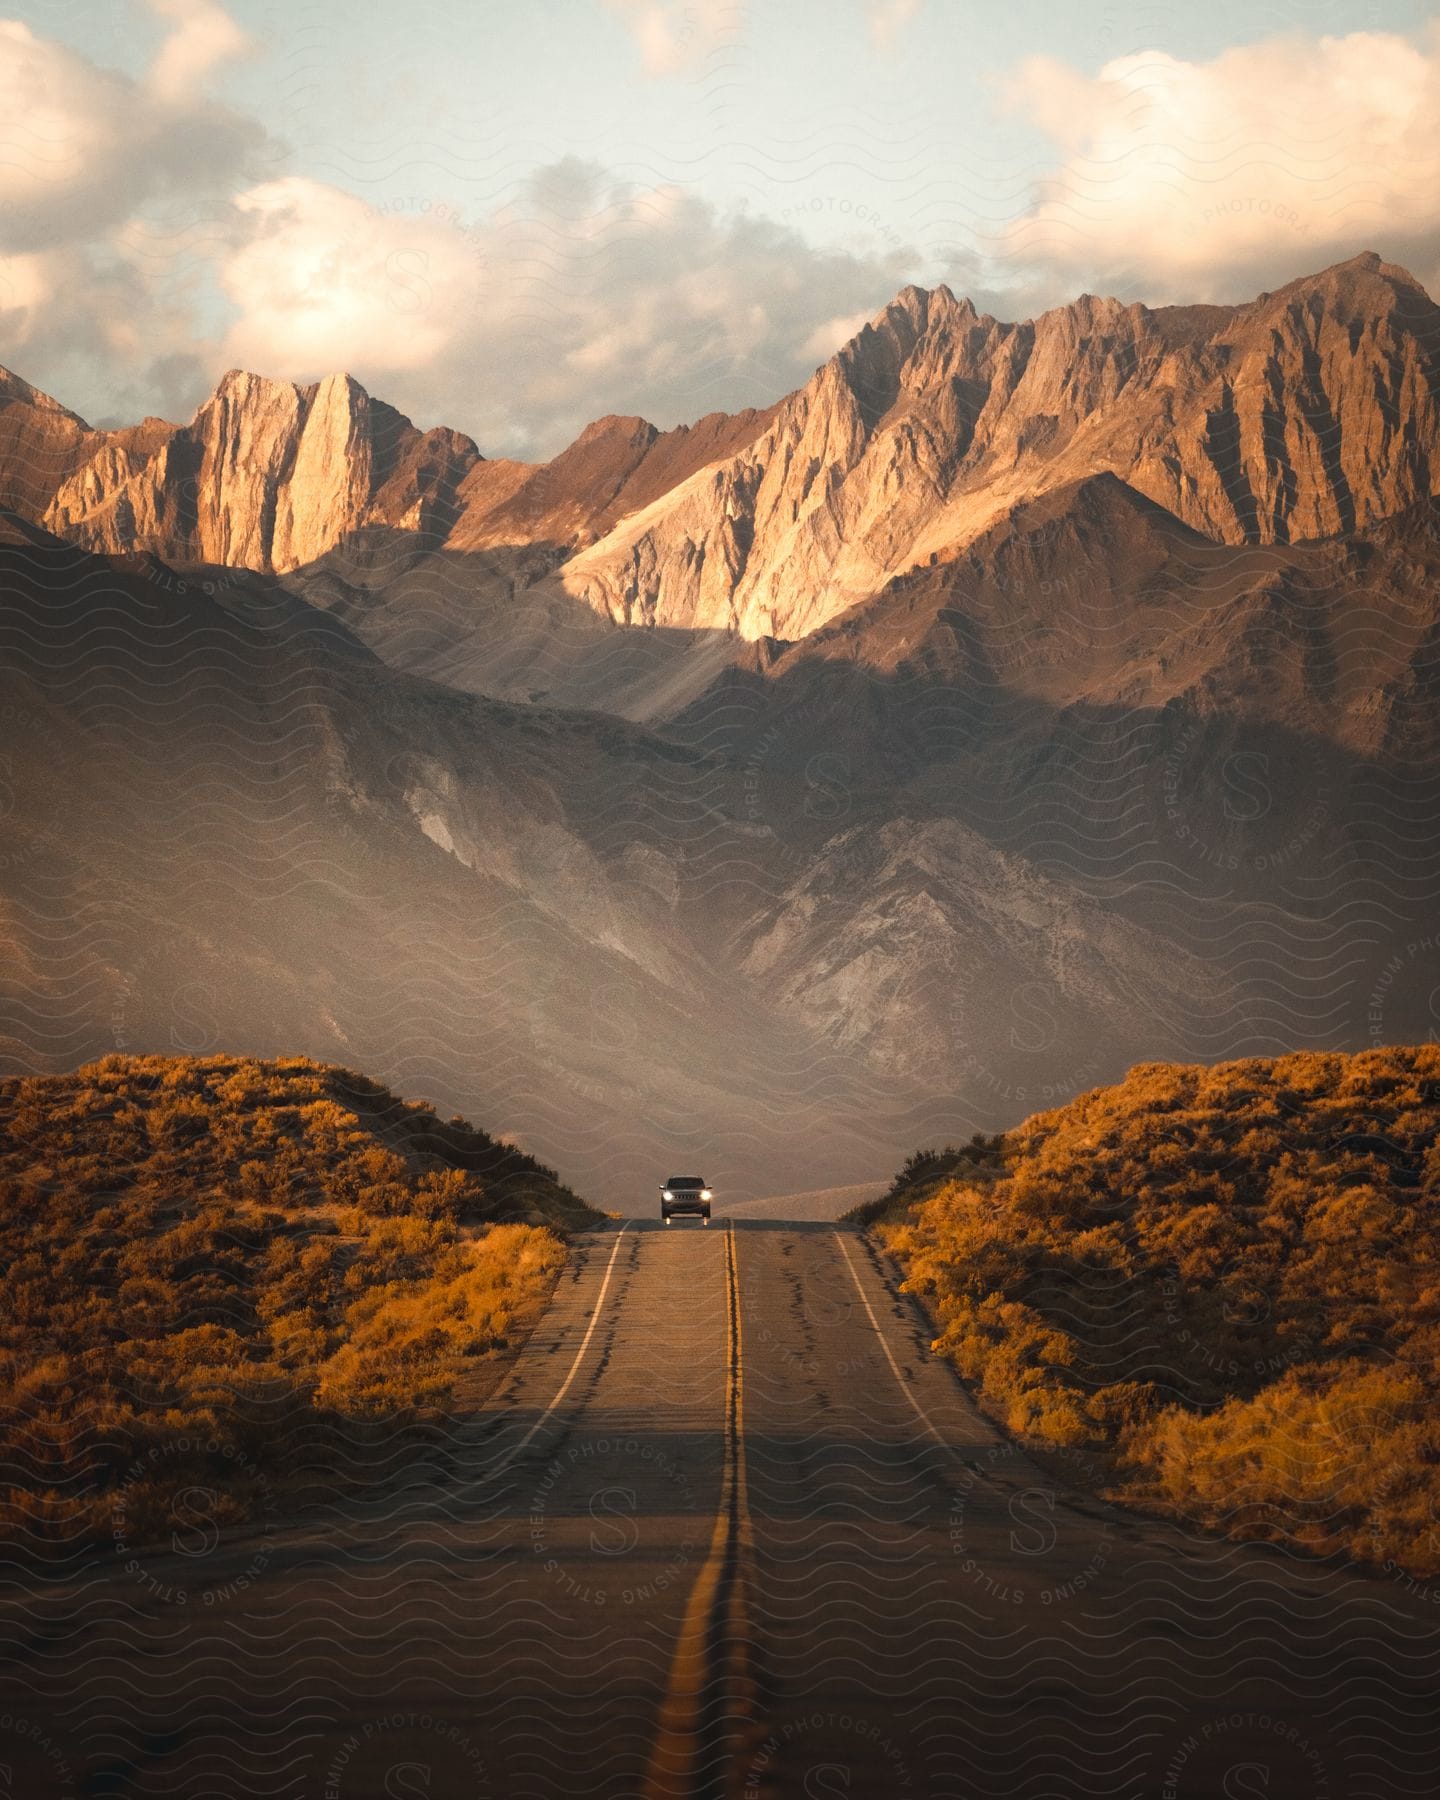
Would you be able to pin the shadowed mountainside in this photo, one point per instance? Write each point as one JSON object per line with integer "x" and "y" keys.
{"x": 230, "y": 824}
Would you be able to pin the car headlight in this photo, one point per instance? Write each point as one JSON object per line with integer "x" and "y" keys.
{"x": 665, "y": 1194}
{"x": 704, "y": 1193}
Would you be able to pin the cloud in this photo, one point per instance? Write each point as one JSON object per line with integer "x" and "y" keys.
{"x": 582, "y": 297}
{"x": 112, "y": 191}
{"x": 83, "y": 320}
{"x": 145, "y": 244}
{"x": 1211, "y": 179}
{"x": 888, "y": 19}
{"x": 205, "y": 36}
{"x": 323, "y": 280}
{"x": 830, "y": 334}
{"x": 677, "y": 36}
{"x": 83, "y": 148}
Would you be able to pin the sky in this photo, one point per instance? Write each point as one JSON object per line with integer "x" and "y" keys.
{"x": 514, "y": 218}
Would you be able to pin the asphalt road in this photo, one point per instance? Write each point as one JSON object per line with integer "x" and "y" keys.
{"x": 726, "y": 1530}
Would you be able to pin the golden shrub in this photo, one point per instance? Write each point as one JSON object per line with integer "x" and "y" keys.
{"x": 249, "y": 1255}
{"x": 1229, "y": 1276}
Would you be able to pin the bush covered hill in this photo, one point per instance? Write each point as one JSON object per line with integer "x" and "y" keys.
{"x": 1229, "y": 1277}
{"x": 239, "y": 1274}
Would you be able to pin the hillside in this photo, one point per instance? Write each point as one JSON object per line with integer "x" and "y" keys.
{"x": 245, "y": 1276}
{"x": 258, "y": 835}
{"x": 1228, "y": 1277}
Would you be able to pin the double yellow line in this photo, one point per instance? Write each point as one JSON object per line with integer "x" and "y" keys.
{"x": 712, "y": 1653}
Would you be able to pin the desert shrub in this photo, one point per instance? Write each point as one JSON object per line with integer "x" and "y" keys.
{"x": 215, "y": 1270}
{"x": 1228, "y": 1276}
{"x": 1342, "y": 1456}
{"x": 926, "y": 1170}
{"x": 405, "y": 1337}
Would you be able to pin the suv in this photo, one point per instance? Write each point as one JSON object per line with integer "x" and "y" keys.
{"x": 685, "y": 1194}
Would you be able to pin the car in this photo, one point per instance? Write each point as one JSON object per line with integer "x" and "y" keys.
{"x": 685, "y": 1194}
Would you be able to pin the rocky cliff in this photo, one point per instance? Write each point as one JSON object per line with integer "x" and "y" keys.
{"x": 1306, "y": 412}
{"x": 41, "y": 443}
{"x": 268, "y": 476}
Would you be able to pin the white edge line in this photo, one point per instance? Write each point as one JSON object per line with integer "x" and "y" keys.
{"x": 905, "y": 1387}
{"x": 510, "y": 1455}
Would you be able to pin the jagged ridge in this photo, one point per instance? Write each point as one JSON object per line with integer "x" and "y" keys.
{"x": 1307, "y": 412}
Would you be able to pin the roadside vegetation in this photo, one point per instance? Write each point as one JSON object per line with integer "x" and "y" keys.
{"x": 1228, "y": 1278}
{"x": 246, "y": 1278}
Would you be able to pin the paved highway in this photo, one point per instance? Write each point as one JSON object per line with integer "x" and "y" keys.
{"x": 727, "y": 1530}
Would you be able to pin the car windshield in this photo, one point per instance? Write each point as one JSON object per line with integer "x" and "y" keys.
{"x": 686, "y": 1181}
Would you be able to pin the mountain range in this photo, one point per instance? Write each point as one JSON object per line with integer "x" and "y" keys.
{"x": 1009, "y": 703}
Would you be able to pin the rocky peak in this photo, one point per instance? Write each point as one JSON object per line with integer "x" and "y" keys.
{"x": 15, "y": 390}
{"x": 1302, "y": 413}
{"x": 620, "y": 428}
{"x": 921, "y": 338}
{"x": 268, "y": 475}
{"x": 41, "y": 443}
{"x": 1306, "y": 412}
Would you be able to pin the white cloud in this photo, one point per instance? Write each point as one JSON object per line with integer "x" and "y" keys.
{"x": 82, "y": 148}
{"x": 677, "y": 36}
{"x": 1211, "y": 179}
{"x": 830, "y": 334}
{"x": 325, "y": 281}
{"x": 112, "y": 192}
{"x": 888, "y": 19}
{"x": 580, "y": 298}
{"x": 81, "y": 320}
{"x": 130, "y": 209}
{"x": 205, "y": 36}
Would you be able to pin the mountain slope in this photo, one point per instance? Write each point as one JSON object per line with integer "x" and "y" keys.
{"x": 615, "y": 467}
{"x": 1234, "y": 752}
{"x": 232, "y": 826}
{"x": 1306, "y": 412}
{"x": 916, "y": 940}
{"x": 1091, "y": 664}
